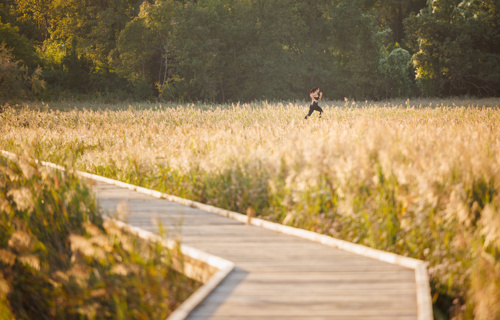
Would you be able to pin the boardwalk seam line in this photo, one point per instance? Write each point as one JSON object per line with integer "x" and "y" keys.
{"x": 424, "y": 301}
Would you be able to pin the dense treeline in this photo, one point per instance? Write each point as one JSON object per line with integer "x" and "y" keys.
{"x": 240, "y": 50}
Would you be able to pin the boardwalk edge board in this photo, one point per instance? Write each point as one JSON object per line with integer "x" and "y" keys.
{"x": 424, "y": 301}
{"x": 223, "y": 266}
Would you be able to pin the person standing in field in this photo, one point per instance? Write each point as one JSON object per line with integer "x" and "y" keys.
{"x": 316, "y": 96}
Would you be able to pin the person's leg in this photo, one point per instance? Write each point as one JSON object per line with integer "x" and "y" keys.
{"x": 311, "y": 110}
{"x": 318, "y": 108}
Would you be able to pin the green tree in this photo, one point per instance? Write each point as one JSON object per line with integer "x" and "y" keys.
{"x": 145, "y": 48}
{"x": 199, "y": 43}
{"x": 391, "y": 14}
{"x": 136, "y": 49}
{"x": 252, "y": 49}
{"x": 459, "y": 47}
{"x": 77, "y": 70}
{"x": 15, "y": 81}
{"x": 9, "y": 14}
{"x": 278, "y": 60}
{"x": 243, "y": 50}
{"x": 95, "y": 25}
{"x": 21, "y": 47}
{"x": 159, "y": 18}
{"x": 36, "y": 16}
{"x": 80, "y": 54}
{"x": 356, "y": 46}
{"x": 396, "y": 69}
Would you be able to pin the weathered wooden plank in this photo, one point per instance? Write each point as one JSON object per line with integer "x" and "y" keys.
{"x": 333, "y": 291}
{"x": 334, "y": 310}
{"x": 256, "y": 253}
{"x": 278, "y": 276}
{"x": 351, "y": 284}
{"x": 307, "y": 268}
{"x": 301, "y": 289}
{"x": 216, "y": 241}
{"x": 286, "y": 276}
{"x": 326, "y": 301}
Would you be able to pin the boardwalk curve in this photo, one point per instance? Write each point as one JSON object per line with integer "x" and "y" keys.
{"x": 280, "y": 272}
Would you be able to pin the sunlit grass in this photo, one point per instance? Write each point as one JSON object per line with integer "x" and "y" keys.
{"x": 60, "y": 260}
{"x": 418, "y": 178}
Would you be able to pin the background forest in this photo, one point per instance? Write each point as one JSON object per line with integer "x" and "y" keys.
{"x": 243, "y": 50}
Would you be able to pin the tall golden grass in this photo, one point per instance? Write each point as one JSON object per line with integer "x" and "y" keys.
{"x": 418, "y": 178}
{"x": 60, "y": 260}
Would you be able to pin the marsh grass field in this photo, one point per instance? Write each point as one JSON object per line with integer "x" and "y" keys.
{"x": 419, "y": 178}
{"x": 59, "y": 259}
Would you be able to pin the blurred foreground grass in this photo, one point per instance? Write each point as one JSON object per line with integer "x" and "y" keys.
{"x": 60, "y": 260}
{"x": 418, "y": 178}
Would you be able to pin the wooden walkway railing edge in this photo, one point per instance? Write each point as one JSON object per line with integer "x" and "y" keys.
{"x": 211, "y": 281}
{"x": 424, "y": 301}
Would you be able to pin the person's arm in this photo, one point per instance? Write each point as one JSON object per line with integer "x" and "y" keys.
{"x": 320, "y": 95}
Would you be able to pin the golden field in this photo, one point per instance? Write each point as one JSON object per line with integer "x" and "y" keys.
{"x": 419, "y": 178}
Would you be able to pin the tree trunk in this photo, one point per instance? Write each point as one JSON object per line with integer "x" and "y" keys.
{"x": 166, "y": 64}
{"x": 159, "y": 71}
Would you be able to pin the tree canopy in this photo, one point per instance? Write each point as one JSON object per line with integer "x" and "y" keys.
{"x": 241, "y": 50}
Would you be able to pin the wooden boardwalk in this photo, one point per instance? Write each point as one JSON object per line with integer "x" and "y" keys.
{"x": 277, "y": 276}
